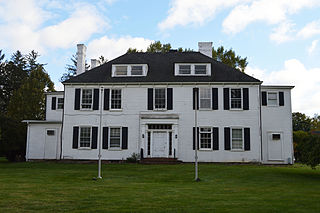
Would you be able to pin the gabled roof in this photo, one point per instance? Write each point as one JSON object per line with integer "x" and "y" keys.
{"x": 161, "y": 69}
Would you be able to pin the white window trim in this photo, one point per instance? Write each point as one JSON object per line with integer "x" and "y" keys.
{"x": 58, "y": 104}
{"x": 129, "y": 66}
{"x": 176, "y": 69}
{"x": 199, "y": 136}
{"x": 154, "y": 99}
{"x": 236, "y": 109}
{"x": 114, "y": 148}
{"x": 237, "y": 150}
{"x": 110, "y": 95}
{"x": 205, "y": 109}
{"x": 272, "y": 105}
{"x": 85, "y": 148}
{"x": 86, "y": 109}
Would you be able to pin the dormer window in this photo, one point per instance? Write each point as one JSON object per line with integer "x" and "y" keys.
{"x": 203, "y": 69}
{"x": 127, "y": 70}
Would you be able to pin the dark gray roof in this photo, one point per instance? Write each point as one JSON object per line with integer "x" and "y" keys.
{"x": 161, "y": 69}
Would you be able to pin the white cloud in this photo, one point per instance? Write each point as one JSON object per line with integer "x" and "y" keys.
{"x": 111, "y": 48}
{"x": 184, "y": 12}
{"x": 283, "y": 33}
{"x": 310, "y": 30}
{"x": 22, "y": 25}
{"x": 305, "y": 95}
{"x": 313, "y": 46}
{"x": 270, "y": 11}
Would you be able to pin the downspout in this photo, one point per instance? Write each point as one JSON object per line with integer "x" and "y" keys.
{"x": 260, "y": 115}
{"x": 28, "y": 139}
{"x": 61, "y": 130}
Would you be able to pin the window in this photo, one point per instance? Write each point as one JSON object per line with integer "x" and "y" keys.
{"x": 137, "y": 70}
{"x": 200, "y": 69}
{"x": 115, "y": 137}
{"x": 127, "y": 70}
{"x": 193, "y": 69}
{"x": 237, "y": 139}
{"x": 185, "y": 69}
{"x": 205, "y": 138}
{"x": 60, "y": 103}
{"x": 272, "y": 99}
{"x": 276, "y": 137}
{"x": 115, "y": 99}
{"x": 160, "y": 98}
{"x": 236, "y": 99}
{"x": 121, "y": 70}
{"x": 159, "y": 126}
{"x": 205, "y": 98}
{"x": 85, "y": 137}
{"x": 86, "y": 102}
{"x": 50, "y": 132}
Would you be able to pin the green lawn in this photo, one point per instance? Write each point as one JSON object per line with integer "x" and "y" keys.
{"x": 58, "y": 187}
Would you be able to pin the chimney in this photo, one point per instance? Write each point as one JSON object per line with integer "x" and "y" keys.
{"x": 81, "y": 58}
{"x": 94, "y": 63}
{"x": 205, "y": 48}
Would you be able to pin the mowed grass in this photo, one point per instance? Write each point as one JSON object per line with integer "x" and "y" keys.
{"x": 62, "y": 187}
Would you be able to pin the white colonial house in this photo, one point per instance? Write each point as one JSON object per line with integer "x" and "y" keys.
{"x": 145, "y": 103}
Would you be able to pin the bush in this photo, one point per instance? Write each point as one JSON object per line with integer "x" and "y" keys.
{"x": 134, "y": 158}
{"x": 299, "y": 137}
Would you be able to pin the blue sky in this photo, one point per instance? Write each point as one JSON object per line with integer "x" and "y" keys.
{"x": 280, "y": 38}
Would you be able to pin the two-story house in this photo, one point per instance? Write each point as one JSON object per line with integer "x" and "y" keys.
{"x": 160, "y": 105}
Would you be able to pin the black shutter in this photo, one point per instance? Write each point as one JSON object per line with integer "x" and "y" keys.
{"x": 214, "y": 98}
{"x": 105, "y": 138}
{"x": 95, "y": 99}
{"x": 150, "y": 98}
{"x": 246, "y": 139}
{"x": 124, "y": 138}
{"x": 226, "y": 138}
{"x": 75, "y": 137}
{"x": 226, "y": 99}
{"x": 194, "y": 137}
{"x": 215, "y": 131}
{"x": 281, "y": 99}
{"x": 195, "y": 102}
{"x": 53, "y": 103}
{"x": 264, "y": 98}
{"x": 169, "y": 98}
{"x": 94, "y": 139}
{"x": 106, "y": 99}
{"x": 77, "y": 99}
{"x": 245, "y": 98}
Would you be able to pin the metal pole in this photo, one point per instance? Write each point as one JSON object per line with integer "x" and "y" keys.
{"x": 196, "y": 133}
{"x": 100, "y": 131}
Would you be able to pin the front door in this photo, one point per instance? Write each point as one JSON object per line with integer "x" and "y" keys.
{"x": 275, "y": 147}
{"x": 159, "y": 144}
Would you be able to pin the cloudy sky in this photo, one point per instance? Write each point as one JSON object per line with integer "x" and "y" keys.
{"x": 281, "y": 38}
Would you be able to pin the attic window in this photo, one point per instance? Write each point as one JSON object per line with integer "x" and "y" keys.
{"x": 186, "y": 69}
{"x": 126, "y": 70}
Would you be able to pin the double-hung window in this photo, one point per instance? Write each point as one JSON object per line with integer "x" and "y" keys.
{"x": 200, "y": 69}
{"x": 236, "y": 99}
{"x": 115, "y": 137}
{"x": 205, "y": 98}
{"x": 236, "y": 139}
{"x": 192, "y": 69}
{"x": 115, "y": 99}
{"x": 86, "y": 99}
{"x": 121, "y": 70}
{"x": 85, "y": 137}
{"x": 60, "y": 103}
{"x": 205, "y": 138}
{"x": 137, "y": 70}
{"x": 272, "y": 99}
{"x": 160, "y": 98}
{"x": 184, "y": 69}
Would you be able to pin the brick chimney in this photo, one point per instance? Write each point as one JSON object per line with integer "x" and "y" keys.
{"x": 94, "y": 63}
{"x": 205, "y": 48}
{"x": 81, "y": 58}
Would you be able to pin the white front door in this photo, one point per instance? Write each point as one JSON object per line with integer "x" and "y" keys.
{"x": 275, "y": 146}
{"x": 159, "y": 144}
{"x": 51, "y": 143}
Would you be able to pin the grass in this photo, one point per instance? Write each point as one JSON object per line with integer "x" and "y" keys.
{"x": 58, "y": 187}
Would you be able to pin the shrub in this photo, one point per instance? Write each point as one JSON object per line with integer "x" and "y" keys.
{"x": 134, "y": 158}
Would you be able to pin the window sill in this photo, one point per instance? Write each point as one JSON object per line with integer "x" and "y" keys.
{"x": 114, "y": 149}
{"x": 115, "y": 110}
{"x": 206, "y": 150}
{"x": 236, "y": 109}
{"x": 84, "y": 148}
{"x": 237, "y": 150}
{"x": 159, "y": 110}
{"x": 85, "y": 109}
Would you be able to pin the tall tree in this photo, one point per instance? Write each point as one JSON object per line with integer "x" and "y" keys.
{"x": 230, "y": 58}
{"x": 301, "y": 122}
{"x": 71, "y": 69}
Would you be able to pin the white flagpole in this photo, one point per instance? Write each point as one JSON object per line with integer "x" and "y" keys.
{"x": 100, "y": 131}
{"x": 197, "y": 136}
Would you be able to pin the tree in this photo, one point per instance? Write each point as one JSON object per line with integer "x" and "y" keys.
{"x": 230, "y": 58}
{"x": 158, "y": 47}
{"x": 301, "y": 122}
{"x": 309, "y": 150}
